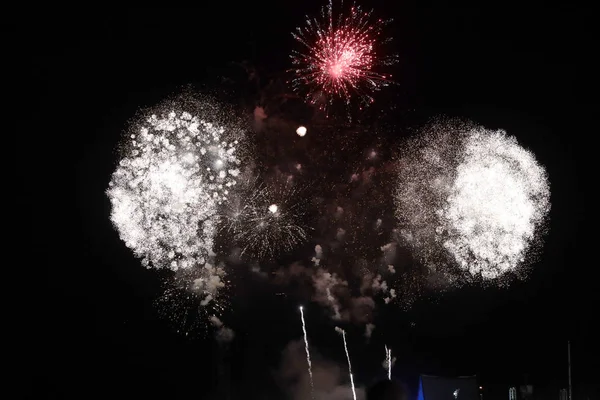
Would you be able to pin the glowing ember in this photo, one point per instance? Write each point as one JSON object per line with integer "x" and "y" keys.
{"x": 301, "y": 131}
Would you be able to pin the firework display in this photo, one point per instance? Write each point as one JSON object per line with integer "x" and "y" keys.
{"x": 223, "y": 211}
{"x": 472, "y": 197}
{"x": 339, "y": 58}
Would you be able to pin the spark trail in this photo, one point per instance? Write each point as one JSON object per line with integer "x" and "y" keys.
{"x": 343, "y": 332}
{"x": 312, "y": 386}
{"x": 388, "y": 361}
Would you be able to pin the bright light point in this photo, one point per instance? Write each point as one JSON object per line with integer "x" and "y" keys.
{"x": 219, "y": 163}
{"x": 301, "y": 131}
{"x": 301, "y": 307}
{"x": 273, "y": 208}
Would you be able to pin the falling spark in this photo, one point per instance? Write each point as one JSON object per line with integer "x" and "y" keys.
{"x": 388, "y": 358}
{"x": 339, "y": 57}
{"x": 301, "y": 131}
{"x": 312, "y": 387}
{"x": 343, "y": 332}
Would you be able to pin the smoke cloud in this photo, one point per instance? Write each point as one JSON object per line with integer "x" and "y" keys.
{"x": 330, "y": 379}
{"x": 223, "y": 334}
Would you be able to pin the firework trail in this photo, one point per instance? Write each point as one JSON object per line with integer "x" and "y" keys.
{"x": 343, "y": 333}
{"x": 471, "y": 198}
{"x": 339, "y": 58}
{"x": 388, "y": 361}
{"x": 312, "y": 386}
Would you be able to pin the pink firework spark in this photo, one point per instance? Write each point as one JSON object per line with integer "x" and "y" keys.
{"x": 339, "y": 58}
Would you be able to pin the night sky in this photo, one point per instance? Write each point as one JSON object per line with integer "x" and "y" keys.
{"x": 520, "y": 69}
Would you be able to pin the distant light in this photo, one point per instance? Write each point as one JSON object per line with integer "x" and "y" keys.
{"x": 301, "y": 131}
{"x": 301, "y": 307}
{"x": 480, "y": 387}
{"x": 273, "y": 208}
{"x": 219, "y": 163}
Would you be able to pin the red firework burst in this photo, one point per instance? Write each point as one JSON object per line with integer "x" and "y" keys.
{"x": 339, "y": 58}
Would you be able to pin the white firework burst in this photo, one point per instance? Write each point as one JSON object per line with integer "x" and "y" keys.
{"x": 473, "y": 197}
{"x": 178, "y": 168}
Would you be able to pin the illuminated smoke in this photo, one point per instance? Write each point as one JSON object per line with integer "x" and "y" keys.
{"x": 318, "y": 255}
{"x": 324, "y": 284}
{"x": 472, "y": 198}
{"x": 223, "y": 333}
{"x": 369, "y": 328}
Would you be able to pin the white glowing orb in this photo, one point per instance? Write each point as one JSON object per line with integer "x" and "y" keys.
{"x": 273, "y": 208}
{"x": 301, "y": 131}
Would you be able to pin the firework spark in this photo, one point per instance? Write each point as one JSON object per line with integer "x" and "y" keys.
{"x": 312, "y": 386}
{"x": 388, "y": 362}
{"x": 192, "y": 296}
{"x": 265, "y": 218}
{"x": 339, "y": 58}
{"x": 474, "y": 195}
{"x": 166, "y": 191}
{"x": 343, "y": 333}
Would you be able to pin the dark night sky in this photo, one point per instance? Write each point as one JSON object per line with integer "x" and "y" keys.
{"x": 520, "y": 69}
